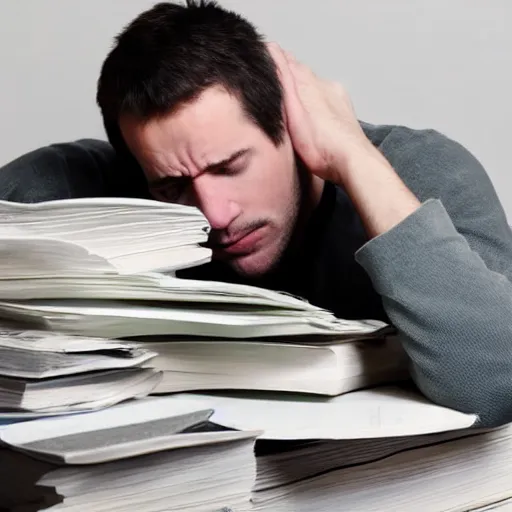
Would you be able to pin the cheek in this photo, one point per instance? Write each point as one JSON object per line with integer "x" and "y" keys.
{"x": 280, "y": 182}
{"x": 275, "y": 171}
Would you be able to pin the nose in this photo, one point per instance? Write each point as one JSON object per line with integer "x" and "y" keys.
{"x": 212, "y": 197}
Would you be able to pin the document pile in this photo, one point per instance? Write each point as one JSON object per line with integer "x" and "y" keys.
{"x": 266, "y": 402}
{"x": 49, "y": 373}
{"x": 106, "y": 268}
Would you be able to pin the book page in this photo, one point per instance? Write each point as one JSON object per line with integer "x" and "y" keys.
{"x": 379, "y": 412}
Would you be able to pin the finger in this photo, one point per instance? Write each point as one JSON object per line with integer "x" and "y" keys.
{"x": 291, "y": 97}
{"x": 299, "y": 69}
{"x": 282, "y": 65}
{"x": 296, "y": 117}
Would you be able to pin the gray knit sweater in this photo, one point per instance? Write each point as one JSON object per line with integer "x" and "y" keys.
{"x": 445, "y": 274}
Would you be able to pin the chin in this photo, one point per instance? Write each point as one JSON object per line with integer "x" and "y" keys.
{"x": 257, "y": 264}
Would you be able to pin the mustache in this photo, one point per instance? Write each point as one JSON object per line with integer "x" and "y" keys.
{"x": 219, "y": 238}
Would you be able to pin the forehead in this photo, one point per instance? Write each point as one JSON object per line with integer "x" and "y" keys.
{"x": 209, "y": 128}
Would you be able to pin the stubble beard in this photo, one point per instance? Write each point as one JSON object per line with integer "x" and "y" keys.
{"x": 290, "y": 233}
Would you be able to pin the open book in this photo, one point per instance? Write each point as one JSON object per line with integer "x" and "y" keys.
{"x": 99, "y": 235}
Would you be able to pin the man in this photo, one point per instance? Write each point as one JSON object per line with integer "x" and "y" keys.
{"x": 368, "y": 221}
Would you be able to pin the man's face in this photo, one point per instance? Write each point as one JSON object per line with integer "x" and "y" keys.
{"x": 210, "y": 155}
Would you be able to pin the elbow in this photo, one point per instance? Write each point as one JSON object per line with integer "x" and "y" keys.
{"x": 489, "y": 397}
{"x": 496, "y": 413}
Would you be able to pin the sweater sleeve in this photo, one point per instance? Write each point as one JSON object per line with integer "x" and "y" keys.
{"x": 444, "y": 277}
{"x": 81, "y": 168}
{"x": 58, "y": 171}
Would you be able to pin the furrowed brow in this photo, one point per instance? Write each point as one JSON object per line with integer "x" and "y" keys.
{"x": 169, "y": 180}
{"x": 226, "y": 161}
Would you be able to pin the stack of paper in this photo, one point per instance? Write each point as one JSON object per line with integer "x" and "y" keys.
{"x": 79, "y": 267}
{"x": 443, "y": 475}
{"x": 49, "y": 373}
{"x": 86, "y": 271}
{"x": 385, "y": 449}
{"x": 149, "y": 286}
{"x": 111, "y": 285}
{"x": 94, "y": 235}
{"x": 205, "y": 346}
{"x": 119, "y": 319}
{"x": 129, "y": 457}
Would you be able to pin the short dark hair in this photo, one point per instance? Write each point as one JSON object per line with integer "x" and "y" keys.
{"x": 170, "y": 53}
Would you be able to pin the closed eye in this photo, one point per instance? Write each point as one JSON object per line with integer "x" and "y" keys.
{"x": 226, "y": 170}
{"x": 171, "y": 190}
{"x": 231, "y": 165}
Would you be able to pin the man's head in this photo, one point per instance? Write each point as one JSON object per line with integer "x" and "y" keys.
{"x": 193, "y": 94}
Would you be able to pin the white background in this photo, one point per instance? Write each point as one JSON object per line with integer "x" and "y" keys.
{"x": 443, "y": 64}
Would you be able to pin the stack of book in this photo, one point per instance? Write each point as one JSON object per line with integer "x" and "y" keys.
{"x": 270, "y": 403}
{"x": 129, "y": 457}
{"x": 45, "y": 373}
{"x": 175, "y": 453}
{"x": 105, "y": 268}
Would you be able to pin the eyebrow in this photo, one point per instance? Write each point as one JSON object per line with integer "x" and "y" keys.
{"x": 212, "y": 166}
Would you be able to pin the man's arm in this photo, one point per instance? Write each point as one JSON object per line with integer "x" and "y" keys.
{"x": 82, "y": 168}
{"x": 444, "y": 276}
{"x": 58, "y": 171}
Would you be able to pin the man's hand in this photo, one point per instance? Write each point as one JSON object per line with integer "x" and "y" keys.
{"x": 320, "y": 119}
{"x": 325, "y": 132}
